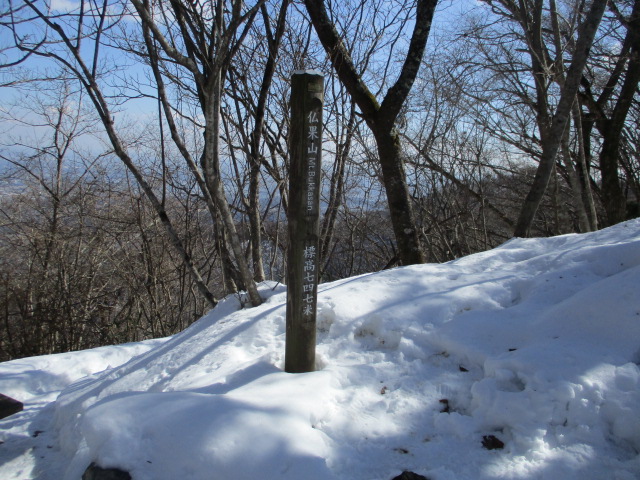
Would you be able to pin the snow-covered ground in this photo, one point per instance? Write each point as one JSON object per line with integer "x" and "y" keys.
{"x": 536, "y": 343}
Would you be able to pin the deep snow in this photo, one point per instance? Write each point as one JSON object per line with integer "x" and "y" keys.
{"x": 536, "y": 342}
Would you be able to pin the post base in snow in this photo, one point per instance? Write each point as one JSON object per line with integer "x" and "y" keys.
{"x": 94, "y": 472}
{"x": 9, "y": 406}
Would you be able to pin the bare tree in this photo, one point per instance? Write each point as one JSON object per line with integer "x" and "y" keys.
{"x": 53, "y": 251}
{"x": 551, "y": 123}
{"x": 609, "y": 111}
{"x": 381, "y": 116}
{"x": 84, "y": 257}
{"x": 188, "y": 46}
{"x": 61, "y": 37}
{"x": 211, "y": 36}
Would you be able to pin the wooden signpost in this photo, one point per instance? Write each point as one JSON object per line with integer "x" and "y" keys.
{"x": 305, "y": 146}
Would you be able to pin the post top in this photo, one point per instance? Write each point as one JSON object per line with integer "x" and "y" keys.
{"x": 307, "y": 72}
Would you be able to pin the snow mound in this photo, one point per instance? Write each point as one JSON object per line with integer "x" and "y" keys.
{"x": 536, "y": 342}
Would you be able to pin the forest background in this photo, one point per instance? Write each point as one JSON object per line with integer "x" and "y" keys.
{"x": 144, "y": 160}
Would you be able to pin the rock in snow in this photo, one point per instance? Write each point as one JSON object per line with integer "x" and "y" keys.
{"x": 94, "y": 472}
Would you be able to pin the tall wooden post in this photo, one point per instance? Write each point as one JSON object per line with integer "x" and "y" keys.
{"x": 305, "y": 146}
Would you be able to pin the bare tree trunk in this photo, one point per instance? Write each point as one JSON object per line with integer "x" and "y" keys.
{"x": 212, "y": 51}
{"x": 381, "y": 117}
{"x": 255, "y": 219}
{"x": 211, "y": 167}
{"x": 551, "y": 141}
{"x": 612, "y": 195}
{"x": 398, "y": 197}
{"x": 336, "y": 188}
{"x": 610, "y": 125}
{"x": 583, "y": 175}
{"x": 574, "y": 182}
